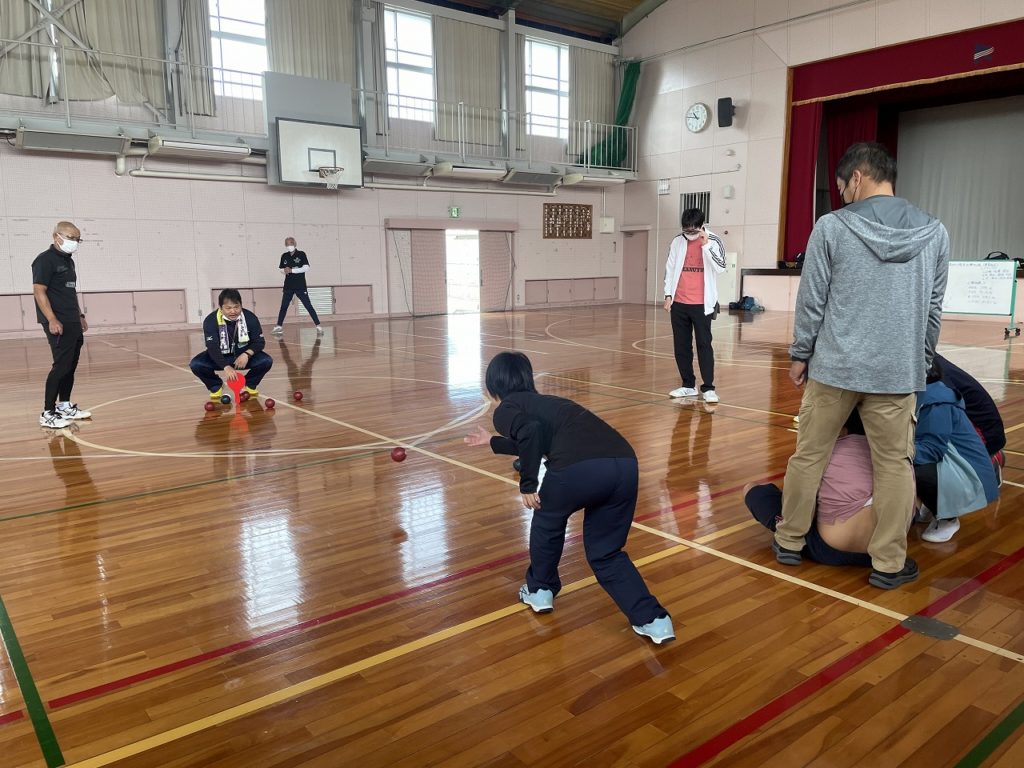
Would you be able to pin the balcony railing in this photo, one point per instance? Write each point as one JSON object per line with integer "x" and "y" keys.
{"x": 79, "y": 86}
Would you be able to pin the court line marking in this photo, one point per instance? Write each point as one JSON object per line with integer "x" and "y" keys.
{"x": 1010, "y": 482}
{"x": 993, "y": 739}
{"x": 781, "y": 704}
{"x": 1014, "y": 428}
{"x": 662, "y": 395}
{"x": 320, "y": 681}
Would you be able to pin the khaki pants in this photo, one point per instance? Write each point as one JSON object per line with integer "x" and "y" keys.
{"x": 889, "y": 426}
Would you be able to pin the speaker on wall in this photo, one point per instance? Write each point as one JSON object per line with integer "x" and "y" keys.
{"x": 725, "y": 112}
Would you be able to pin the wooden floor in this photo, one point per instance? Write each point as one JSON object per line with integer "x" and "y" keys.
{"x": 268, "y": 588}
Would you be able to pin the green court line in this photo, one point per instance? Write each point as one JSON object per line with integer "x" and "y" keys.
{"x": 36, "y": 711}
{"x": 994, "y": 739}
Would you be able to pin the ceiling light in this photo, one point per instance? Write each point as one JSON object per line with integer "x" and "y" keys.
{"x": 158, "y": 145}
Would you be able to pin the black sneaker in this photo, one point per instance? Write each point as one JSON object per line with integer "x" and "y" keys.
{"x": 906, "y": 575}
{"x": 786, "y": 556}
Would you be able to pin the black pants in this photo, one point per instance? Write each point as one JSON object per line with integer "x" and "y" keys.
{"x": 926, "y": 476}
{"x": 66, "y": 349}
{"x": 689, "y": 320}
{"x": 765, "y": 504}
{"x": 286, "y": 299}
{"x": 606, "y": 491}
{"x": 203, "y": 367}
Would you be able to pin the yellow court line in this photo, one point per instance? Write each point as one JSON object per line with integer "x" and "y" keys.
{"x": 320, "y": 681}
{"x": 660, "y": 394}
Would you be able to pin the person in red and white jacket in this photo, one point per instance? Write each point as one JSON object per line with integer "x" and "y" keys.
{"x": 695, "y": 259}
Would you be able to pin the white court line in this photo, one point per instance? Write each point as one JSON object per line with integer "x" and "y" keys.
{"x": 1010, "y": 482}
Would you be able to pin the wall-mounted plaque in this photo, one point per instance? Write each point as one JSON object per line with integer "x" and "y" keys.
{"x": 568, "y": 221}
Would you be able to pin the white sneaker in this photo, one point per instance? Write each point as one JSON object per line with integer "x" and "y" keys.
{"x": 659, "y": 630}
{"x": 542, "y": 601}
{"x": 684, "y": 392}
{"x": 710, "y": 396}
{"x": 277, "y": 330}
{"x": 319, "y": 330}
{"x": 922, "y": 514}
{"x": 71, "y": 411}
{"x": 52, "y": 420}
{"x": 941, "y": 530}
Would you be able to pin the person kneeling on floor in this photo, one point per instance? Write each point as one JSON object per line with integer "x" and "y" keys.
{"x": 953, "y": 470}
{"x": 234, "y": 342}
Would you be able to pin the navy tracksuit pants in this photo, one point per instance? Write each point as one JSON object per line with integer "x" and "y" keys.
{"x": 605, "y": 489}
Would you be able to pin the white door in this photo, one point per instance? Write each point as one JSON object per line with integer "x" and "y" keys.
{"x": 634, "y": 267}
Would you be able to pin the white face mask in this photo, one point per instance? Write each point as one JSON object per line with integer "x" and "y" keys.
{"x": 68, "y": 246}
{"x": 290, "y": 248}
{"x": 691, "y": 238}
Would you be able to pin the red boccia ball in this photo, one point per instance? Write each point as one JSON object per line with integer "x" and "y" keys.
{"x": 210, "y": 407}
{"x": 297, "y": 395}
{"x": 244, "y": 396}
{"x": 270, "y": 403}
{"x": 398, "y": 454}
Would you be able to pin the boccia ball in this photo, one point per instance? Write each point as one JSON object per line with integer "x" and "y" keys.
{"x": 270, "y": 403}
{"x": 225, "y": 399}
{"x": 398, "y": 454}
{"x": 210, "y": 407}
{"x": 297, "y": 395}
{"x": 244, "y": 396}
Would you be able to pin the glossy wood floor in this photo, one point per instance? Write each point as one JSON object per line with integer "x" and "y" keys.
{"x": 268, "y": 588}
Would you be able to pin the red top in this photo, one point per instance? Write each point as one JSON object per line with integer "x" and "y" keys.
{"x": 690, "y": 289}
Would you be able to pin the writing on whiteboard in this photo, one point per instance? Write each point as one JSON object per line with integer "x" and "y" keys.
{"x": 980, "y": 287}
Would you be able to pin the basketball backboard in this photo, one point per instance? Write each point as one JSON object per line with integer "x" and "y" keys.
{"x": 305, "y": 146}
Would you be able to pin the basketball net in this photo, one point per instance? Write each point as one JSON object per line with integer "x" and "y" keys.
{"x": 331, "y": 174}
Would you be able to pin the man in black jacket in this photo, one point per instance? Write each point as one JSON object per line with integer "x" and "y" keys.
{"x": 55, "y": 285}
{"x": 295, "y": 265}
{"x": 234, "y": 342}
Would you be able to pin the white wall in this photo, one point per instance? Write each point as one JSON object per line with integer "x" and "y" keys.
{"x": 150, "y": 233}
{"x": 750, "y": 65}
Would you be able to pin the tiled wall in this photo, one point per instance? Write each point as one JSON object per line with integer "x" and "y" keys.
{"x": 763, "y": 38}
{"x": 152, "y": 233}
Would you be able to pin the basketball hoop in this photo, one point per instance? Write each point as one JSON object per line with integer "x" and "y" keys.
{"x": 331, "y": 174}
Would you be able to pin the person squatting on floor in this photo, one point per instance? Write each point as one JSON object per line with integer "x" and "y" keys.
{"x": 234, "y": 342}
{"x": 591, "y": 467}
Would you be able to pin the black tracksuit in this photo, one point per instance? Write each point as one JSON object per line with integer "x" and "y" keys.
{"x": 56, "y": 270}
{"x": 213, "y": 358}
{"x": 295, "y": 285}
{"x": 590, "y": 466}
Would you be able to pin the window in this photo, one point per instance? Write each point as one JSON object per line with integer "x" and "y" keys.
{"x": 239, "y": 41}
{"x": 409, "y": 54}
{"x": 547, "y": 89}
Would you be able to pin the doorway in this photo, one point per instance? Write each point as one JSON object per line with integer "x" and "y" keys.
{"x": 462, "y": 267}
{"x": 634, "y": 267}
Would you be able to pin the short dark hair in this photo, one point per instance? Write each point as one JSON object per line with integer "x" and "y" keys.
{"x": 509, "y": 372}
{"x": 229, "y": 294}
{"x": 692, "y": 218}
{"x": 871, "y": 159}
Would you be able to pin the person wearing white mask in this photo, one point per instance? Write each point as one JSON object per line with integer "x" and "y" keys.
{"x": 294, "y": 265}
{"x": 695, "y": 259}
{"x": 54, "y": 285}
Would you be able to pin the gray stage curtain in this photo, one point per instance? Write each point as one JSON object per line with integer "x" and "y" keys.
{"x": 312, "y": 38}
{"x": 24, "y": 69}
{"x": 195, "y": 90}
{"x": 963, "y": 164}
{"x": 467, "y": 68}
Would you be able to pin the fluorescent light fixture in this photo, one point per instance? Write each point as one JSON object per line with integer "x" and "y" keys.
{"x": 479, "y": 174}
{"x": 66, "y": 141}
{"x": 532, "y": 178}
{"x": 380, "y": 167}
{"x": 442, "y": 169}
{"x": 602, "y": 181}
{"x": 199, "y": 150}
{"x": 572, "y": 178}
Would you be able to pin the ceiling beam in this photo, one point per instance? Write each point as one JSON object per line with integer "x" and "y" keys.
{"x": 638, "y": 14}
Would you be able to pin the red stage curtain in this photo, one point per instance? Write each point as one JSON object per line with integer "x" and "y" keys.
{"x": 804, "y": 131}
{"x": 845, "y": 126}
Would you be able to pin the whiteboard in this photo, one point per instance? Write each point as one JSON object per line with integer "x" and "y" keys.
{"x": 981, "y": 287}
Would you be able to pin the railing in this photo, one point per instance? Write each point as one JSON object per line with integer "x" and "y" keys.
{"x": 80, "y": 86}
{"x": 407, "y": 124}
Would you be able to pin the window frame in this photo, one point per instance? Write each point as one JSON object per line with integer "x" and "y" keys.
{"x": 548, "y": 126}
{"x": 396, "y": 108}
{"x": 226, "y": 79}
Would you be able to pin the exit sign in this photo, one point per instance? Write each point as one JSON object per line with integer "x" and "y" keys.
{"x": 454, "y": 212}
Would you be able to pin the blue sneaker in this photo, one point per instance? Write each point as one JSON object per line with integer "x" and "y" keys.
{"x": 659, "y": 630}
{"x": 542, "y": 601}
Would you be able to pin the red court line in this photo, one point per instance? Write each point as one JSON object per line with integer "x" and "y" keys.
{"x": 11, "y": 717}
{"x": 149, "y": 674}
{"x": 782, "y": 704}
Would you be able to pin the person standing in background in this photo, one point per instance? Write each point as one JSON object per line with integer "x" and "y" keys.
{"x": 294, "y": 265}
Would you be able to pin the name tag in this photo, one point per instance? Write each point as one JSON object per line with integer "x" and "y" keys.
{"x": 70, "y": 284}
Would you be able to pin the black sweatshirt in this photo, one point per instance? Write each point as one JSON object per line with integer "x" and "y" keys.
{"x": 981, "y": 408}
{"x": 212, "y": 335}
{"x": 533, "y": 426}
{"x": 294, "y": 281}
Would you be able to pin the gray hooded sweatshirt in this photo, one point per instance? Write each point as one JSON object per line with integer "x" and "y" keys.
{"x": 869, "y": 307}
